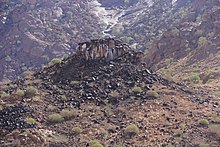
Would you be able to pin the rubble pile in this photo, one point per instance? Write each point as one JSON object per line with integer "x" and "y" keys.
{"x": 12, "y": 118}
{"x": 100, "y": 80}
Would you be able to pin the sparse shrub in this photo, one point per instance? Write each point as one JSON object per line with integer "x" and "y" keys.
{"x": 63, "y": 98}
{"x": 136, "y": 89}
{"x": 194, "y": 78}
{"x": 77, "y": 130}
{"x": 114, "y": 94}
{"x": 169, "y": 145}
{"x": 55, "y": 118}
{"x": 120, "y": 145}
{"x": 175, "y": 32}
{"x": 202, "y": 41}
{"x": 131, "y": 130}
{"x": 20, "y": 93}
{"x": 203, "y": 122}
{"x": 36, "y": 99}
{"x": 188, "y": 49}
{"x": 216, "y": 119}
{"x": 51, "y": 108}
{"x": 95, "y": 143}
{"x": 74, "y": 82}
{"x": 5, "y": 95}
{"x": 215, "y": 129}
{"x": 30, "y": 91}
{"x": 67, "y": 114}
{"x": 30, "y": 121}
{"x": 204, "y": 145}
{"x": 153, "y": 94}
{"x": 199, "y": 32}
{"x": 55, "y": 61}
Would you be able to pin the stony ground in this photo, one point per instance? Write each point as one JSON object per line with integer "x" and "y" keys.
{"x": 101, "y": 103}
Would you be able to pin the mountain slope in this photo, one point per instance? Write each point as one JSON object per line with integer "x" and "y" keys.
{"x": 118, "y": 102}
{"x": 34, "y": 32}
{"x": 192, "y": 46}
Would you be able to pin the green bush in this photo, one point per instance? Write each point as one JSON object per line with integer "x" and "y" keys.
{"x": 30, "y": 91}
{"x": 131, "y": 130}
{"x": 5, "y": 95}
{"x": 55, "y": 118}
{"x": 202, "y": 41}
{"x": 51, "y": 108}
{"x": 152, "y": 94}
{"x": 67, "y": 114}
{"x": 216, "y": 119}
{"x": 77, "y": 130}
{"x": 136, "y": 89}
{"x": 55, "y": 61}
{"x": 63, "y": 98}
{"x": 203, "y": 122}
{"x": 169, "y": 145}
{"x": 20, "y": 93}
{"x": 194, "y": 77}
{"x": 215, "y": 129}
{"x": 30, "y": 121}
{"x": 95, "y": 143}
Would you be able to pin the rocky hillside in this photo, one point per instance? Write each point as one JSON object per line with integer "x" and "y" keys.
{"x": 147, "y": 20}
{"x": 79, "y": 102}
{"x": 190, "y": 47}
{"x": 34, "y": 32}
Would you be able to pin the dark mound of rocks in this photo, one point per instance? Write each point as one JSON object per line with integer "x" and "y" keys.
{"x": 100, "y": 81}
{"x": 12, "y": 118}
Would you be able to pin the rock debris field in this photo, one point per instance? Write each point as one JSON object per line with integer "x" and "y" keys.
{"x": 101, "y": 81}
{"x": 12, "y": 118}
{"x": 86, "y": 86}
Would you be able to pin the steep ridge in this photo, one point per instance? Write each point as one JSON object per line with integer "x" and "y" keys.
{"x": 78, "y": 100}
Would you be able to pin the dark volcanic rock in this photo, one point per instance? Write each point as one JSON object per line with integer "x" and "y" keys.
{"x": 103, "y": 81}
{"x": 12, "y": 118}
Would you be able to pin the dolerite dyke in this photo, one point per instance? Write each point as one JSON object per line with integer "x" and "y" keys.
{"x": 101, "y": 81}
